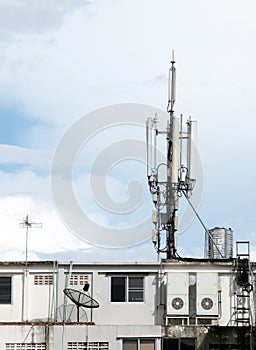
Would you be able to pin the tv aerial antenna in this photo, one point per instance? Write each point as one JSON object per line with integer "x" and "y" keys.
{"x": 81, "y": 299}
{"x": 27, "y": 224}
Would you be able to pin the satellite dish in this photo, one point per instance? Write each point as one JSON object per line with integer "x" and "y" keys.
{"x": 80, "y": 298}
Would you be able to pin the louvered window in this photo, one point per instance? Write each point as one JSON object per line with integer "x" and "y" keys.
{"x": 25, "y": 346}
{"x": 78, "y": 279}
{"x": 87, "y": 346}
{"x": 43, "y": 280}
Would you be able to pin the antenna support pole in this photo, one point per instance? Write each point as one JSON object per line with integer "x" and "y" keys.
{"x": 27, "y": 225}
{"x": 172, "y": 166}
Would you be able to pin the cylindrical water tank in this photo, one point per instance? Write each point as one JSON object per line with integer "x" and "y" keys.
{"x": 221, "y": 241}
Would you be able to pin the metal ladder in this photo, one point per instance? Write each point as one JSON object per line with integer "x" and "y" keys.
{"x": 242, "y": 312}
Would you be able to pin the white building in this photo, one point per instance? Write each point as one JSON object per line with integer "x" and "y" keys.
{"x": 176, "y": 304}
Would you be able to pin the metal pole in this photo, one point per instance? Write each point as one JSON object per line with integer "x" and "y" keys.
{"x": 26, "y": 253}
{"x": 170, "y": 229}
{"x": 77, "y": 313}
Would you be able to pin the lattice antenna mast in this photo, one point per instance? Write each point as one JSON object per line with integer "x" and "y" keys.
{"x": 27, "y": 224}
{"x": 180, "y": 176}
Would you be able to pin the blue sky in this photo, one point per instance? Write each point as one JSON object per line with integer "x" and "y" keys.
{"x": 62, "y": 59}
{"x": 15, "y": 125}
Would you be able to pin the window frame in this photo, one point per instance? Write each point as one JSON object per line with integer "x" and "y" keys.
{"x": 126, "y": 301}
{"x": 11, "y": 289}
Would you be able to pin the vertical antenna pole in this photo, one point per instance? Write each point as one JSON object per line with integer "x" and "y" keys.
{"x": 149, "y": 146}
{"x": 191, "y": 152}
{"x": 26, "y": 247}
{"x": 172, "y": 165}
{"x": 27, "y": 224}
{"x": 181, "y": 138}
{"x": 154, "y": 145}
{"x": 173, "y": 83}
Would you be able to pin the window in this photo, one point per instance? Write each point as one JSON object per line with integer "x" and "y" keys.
{"x": 179, "y": 344}
{"x": 147, "y": 344}
{"x": 5, "y": 290}
{"x": 135, "y": 288}
{"x": 130, "y": 344}
{"x": 172, "y": 344}
{"x": 138, "y": 344}
{"x": 127, "y": 288}
{"x": 187, "y": 344}
{"x": 118, "y": 289}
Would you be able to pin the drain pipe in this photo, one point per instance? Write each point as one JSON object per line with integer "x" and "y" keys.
{"x": 25, "y": 294}
{"x": 56, "y": 275}
{"x": 65, "y": 297}
{"x": 219, "y": 303}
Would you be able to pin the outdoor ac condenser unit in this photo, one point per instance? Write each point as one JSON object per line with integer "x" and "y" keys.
{"x": 207, "y": 294}
{"x": 177, "y": 293}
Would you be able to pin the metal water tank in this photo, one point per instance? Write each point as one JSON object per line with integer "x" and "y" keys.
{"x": 221, "y": 241}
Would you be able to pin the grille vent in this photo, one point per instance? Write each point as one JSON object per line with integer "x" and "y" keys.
{"x": 43, "y": 280}
{"x": 25, "y": 346}
{"x": 87, "y": 346}
{"x": 78, "y": 280}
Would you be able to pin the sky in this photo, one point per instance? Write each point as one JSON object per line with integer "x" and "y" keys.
{"x": 63, "y": 61}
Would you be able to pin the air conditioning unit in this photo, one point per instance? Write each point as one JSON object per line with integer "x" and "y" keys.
{"x": 177, "y": 305}
{"x": 207, "y": 305}
{"x": 177, "y": 293}
{"x": 207, "y": 294}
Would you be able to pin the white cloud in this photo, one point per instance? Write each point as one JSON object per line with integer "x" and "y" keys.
{"x": 51, "y": 237}
{"x": 25, "y": 192}
{"x": 22, "y": 182}
{"x": 16, "y": 255}
{"x": 107, "y": 58}
{"x": 24, "y": 16}
{"x": 25, "y": 156}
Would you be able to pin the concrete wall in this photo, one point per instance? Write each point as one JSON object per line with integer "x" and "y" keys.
{"x": 45, "y": 302}
{"x": 124, "y": 312}
{"x": 56, "y": 337}
{"x": 242, "y": 337}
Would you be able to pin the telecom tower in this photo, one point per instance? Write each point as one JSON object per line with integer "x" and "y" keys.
{"x": 179, "y": 174}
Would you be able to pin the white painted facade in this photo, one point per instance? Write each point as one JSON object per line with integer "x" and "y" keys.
{"x": 38, "y": 316}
